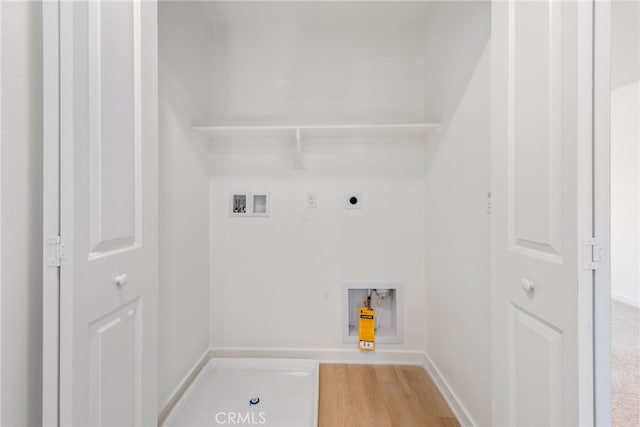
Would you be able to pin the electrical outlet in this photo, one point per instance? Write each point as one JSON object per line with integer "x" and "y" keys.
{"x": 353, "y": 201}
{"x": 312, "y": 200}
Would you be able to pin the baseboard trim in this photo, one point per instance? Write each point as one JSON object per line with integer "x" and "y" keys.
{"x": 464, "y": 418}
{"x": 626, "y": 300}
{"x": 379, "y": 357}
{"x": 184, "y": 385}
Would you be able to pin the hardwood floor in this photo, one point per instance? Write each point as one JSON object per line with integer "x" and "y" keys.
{"x": 376, "y": 395}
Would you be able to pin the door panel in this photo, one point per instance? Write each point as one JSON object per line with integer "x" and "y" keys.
{"x": 535, "y": 370}
{"x": 109, "y": 213}
{"x": 539, "y": 136}
{"x": 602, "y": 210}
{"x": 114, "y": 125}
{"x": 535, "y": 131}
{"x": 114, "y": 367}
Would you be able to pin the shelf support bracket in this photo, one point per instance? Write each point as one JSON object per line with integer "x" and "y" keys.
{"x": 300, "y": 152}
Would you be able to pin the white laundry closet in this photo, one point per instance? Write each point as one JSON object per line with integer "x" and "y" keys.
{"x": 308, "y": 153}
{"x": 374, "y": 95}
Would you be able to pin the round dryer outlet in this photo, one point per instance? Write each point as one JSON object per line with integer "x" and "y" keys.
{"x": 353, "y": 201}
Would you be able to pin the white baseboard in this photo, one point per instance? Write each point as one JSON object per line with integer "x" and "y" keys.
{"x": 464, "y": 418}
{"x": 184, "y": 385}
{"x": 379, "y": 357}
{"x": 625, "y": 299}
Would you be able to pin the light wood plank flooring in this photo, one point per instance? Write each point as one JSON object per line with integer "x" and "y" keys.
{"x": 375, "y": 395}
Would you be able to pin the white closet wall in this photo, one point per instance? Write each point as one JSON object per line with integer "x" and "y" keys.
{"x": 184, "y": 62}
{"x": 457, "y": 256}
{"x": 456, "y": 34}
{"x": 456, "y": 221}
{"x": 313, "y": 63}
{"x": 277, "y": 282}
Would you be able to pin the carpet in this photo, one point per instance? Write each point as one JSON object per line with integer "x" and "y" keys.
{"x": 625, "y": 365}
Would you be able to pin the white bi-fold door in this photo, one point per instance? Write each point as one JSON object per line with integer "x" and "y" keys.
{"x": 101, "y": 63}
{"x": 542, "y": 212}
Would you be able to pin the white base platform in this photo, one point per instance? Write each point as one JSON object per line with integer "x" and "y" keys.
{"x": 287, "y": 390}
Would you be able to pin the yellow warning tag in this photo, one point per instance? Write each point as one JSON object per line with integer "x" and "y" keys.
{"x": 367, "y": 332}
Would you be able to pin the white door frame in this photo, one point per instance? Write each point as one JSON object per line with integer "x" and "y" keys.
{"x": 51, "y": 212}
{"x": 586, "y": 189}
{"x": 602, "y": 210}
{"x": 0, "y": 211}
